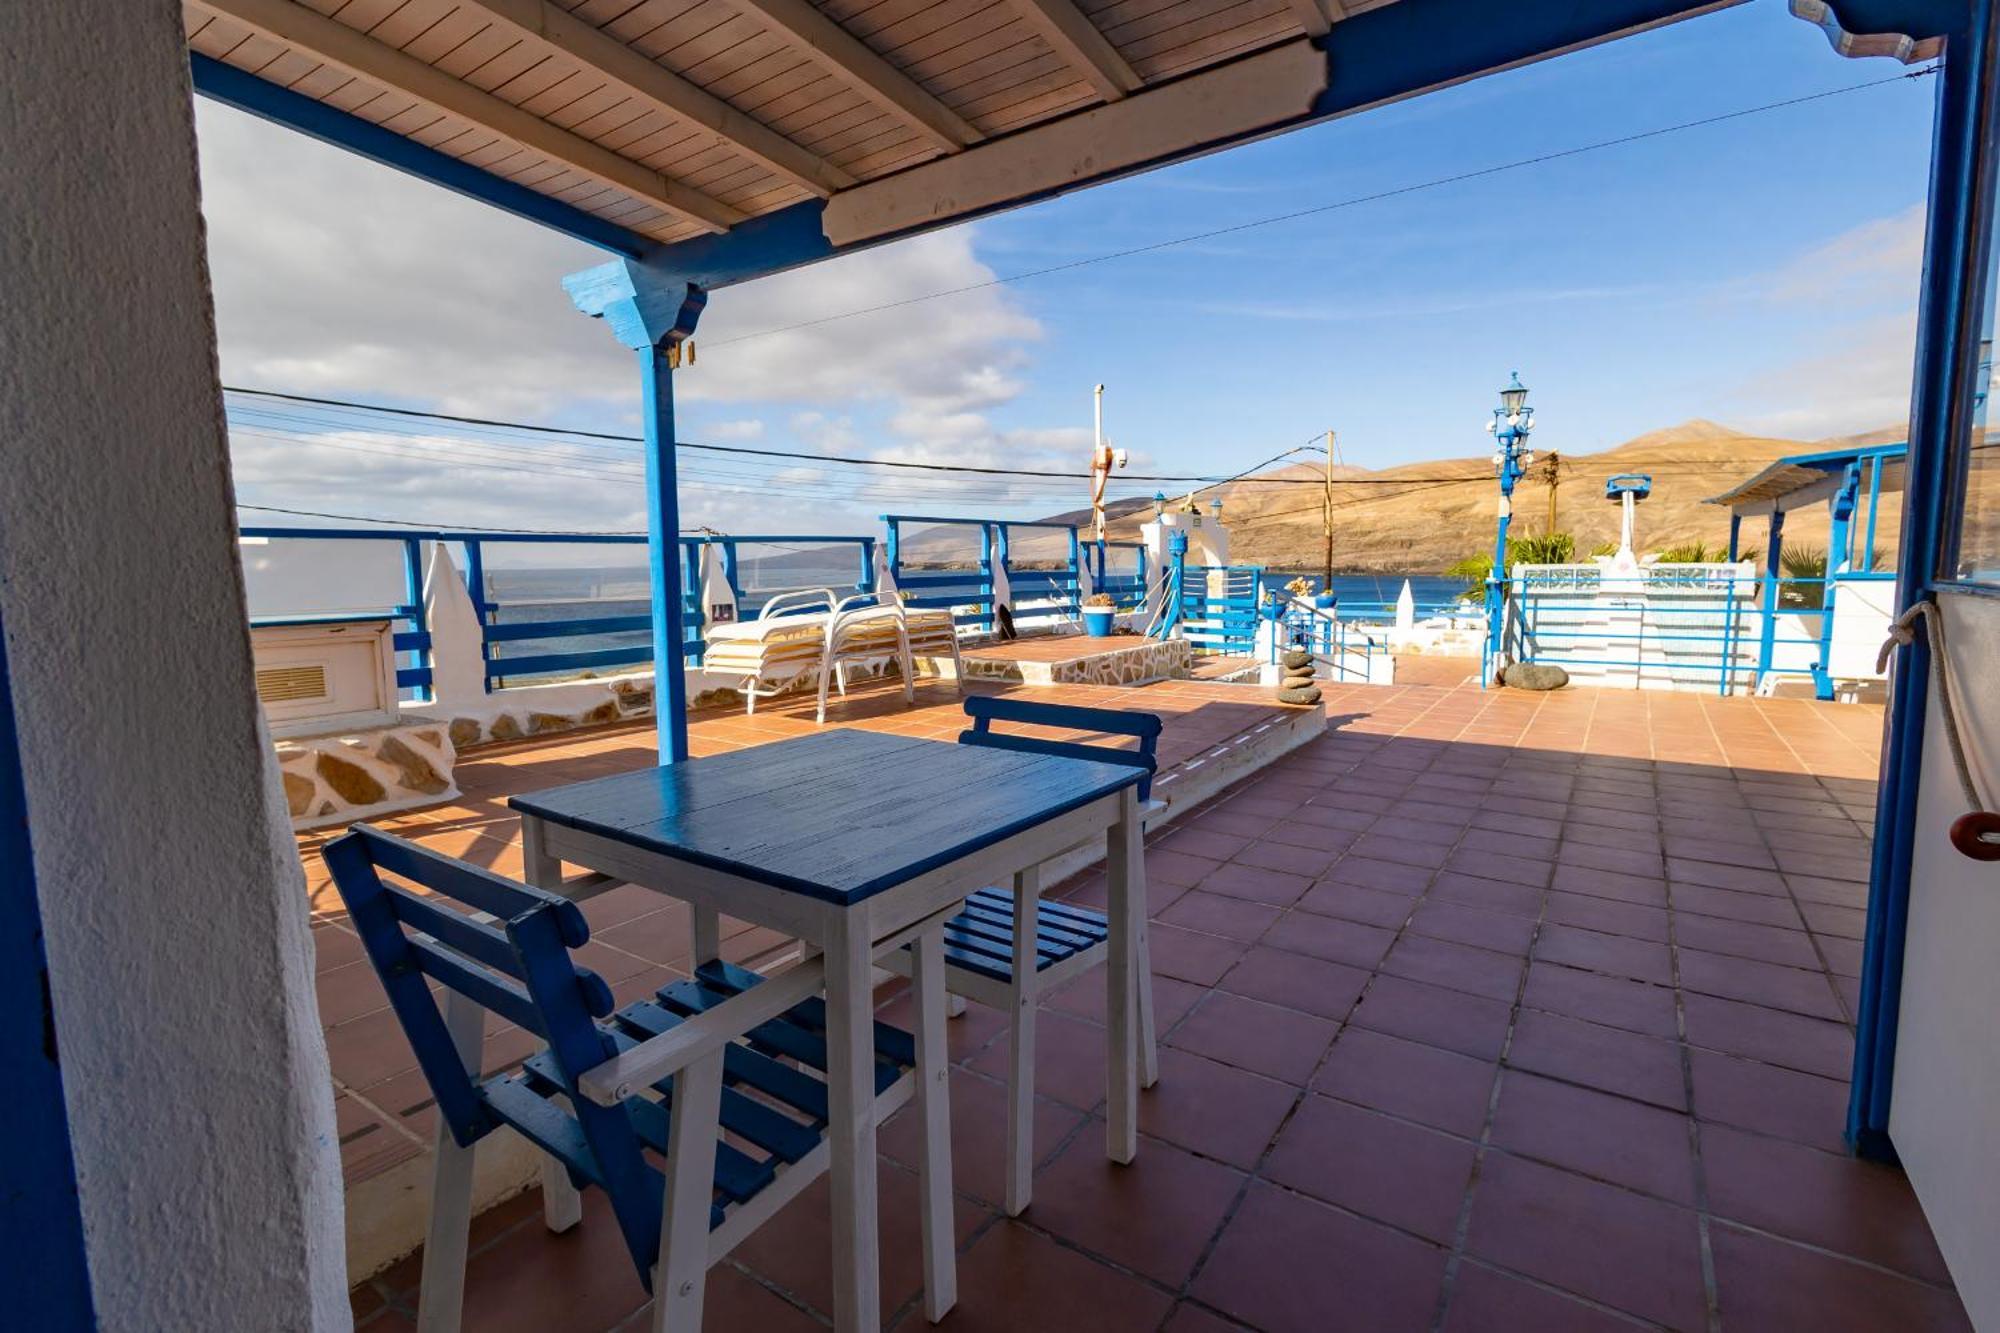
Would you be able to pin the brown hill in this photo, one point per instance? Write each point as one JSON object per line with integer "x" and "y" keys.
{"x": 1421, "y": 517}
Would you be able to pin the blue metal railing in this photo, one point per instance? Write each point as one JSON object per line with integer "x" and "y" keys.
{"x": 537, "y": 632}
{"x": 1328, "y": 636}
{"x": 968, "y": 592}
{"x": 1218, "y": 612}
{"x": 1684, "y": 626}
{"x": 403, "y": 608}
{"x": 1126, "y": 586}
{"x": 1044, "y": 589}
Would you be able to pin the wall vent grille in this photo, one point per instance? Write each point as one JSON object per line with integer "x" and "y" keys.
{"x": 292, "y": 684}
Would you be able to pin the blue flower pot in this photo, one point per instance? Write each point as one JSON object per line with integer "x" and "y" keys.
{"x": 1097, "y": 621}
{"x": 1325, "y": 600}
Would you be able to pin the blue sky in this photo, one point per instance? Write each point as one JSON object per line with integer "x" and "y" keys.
{"x": 1760, "y": 272}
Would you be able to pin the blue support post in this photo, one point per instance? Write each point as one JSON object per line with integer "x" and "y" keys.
{"x": 866, "y": 583}
{"x": 475, "y": 588}
{"x": 1839, "y": 559}
{"x": 1943, "y": 418}
{"x": 1077, "y": 556}
{"x": 413, "y": 587}
{"x": 1767, "y": 640}
{"x": 654, "y": 314}
{"x": 988, "y": 553}
{"x": 1874, "y": 510}
{"x": 1735, "y": 535}
{"x": 892, "y": 548}
{"x": 1172, "y": 586}
{"x": 731, "y": 569}
{"x": 42, "y": 1255}
{"x": 694, "y": 613}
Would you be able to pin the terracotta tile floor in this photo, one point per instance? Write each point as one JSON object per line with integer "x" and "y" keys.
{"x": 1484, "y": 1011}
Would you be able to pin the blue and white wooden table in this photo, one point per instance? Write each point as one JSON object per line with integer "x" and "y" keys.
{"x": 858, "y": 842}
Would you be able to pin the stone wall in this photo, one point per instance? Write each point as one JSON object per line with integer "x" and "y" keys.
{"x": 1122, "y": 661}
{"x": 339, "y": 779}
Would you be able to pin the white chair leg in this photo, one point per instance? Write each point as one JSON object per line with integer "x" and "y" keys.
{"x": 562, "y": 1203}
{"x": 1149, "y": 1045}
{"x": 908, "y": 662}
{"x": 824, "y": 672}
{"x": 934, "y": 1104}
{"x": 441, "y": 1293}
{"x": 680, "y": 1276}
{"x": 954, "y": 1006}
{"x": 840, "y": 676}
{"x": 1021, "y": 1044}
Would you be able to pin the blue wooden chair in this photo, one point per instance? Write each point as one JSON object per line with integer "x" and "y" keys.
{"x": 722, "y": 1076}
{"x": 1007, "y": 960}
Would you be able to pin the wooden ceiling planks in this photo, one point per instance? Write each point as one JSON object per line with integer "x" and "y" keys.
{"x": 988, "y": 67}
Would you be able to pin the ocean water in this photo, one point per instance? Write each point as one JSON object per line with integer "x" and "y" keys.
{"x": 1373, "y": 596}
{"x": 524, "y": 596}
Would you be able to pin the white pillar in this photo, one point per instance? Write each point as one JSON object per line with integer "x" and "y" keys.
{"x": 172, "y": 899}
{"x": 458, "y": 668}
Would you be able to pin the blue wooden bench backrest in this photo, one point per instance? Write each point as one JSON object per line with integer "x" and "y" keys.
{"x": 985, "y": 710}
{"x": 521, "y": 970}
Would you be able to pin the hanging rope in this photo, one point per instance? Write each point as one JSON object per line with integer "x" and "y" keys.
{"x": 1976, "y": 833}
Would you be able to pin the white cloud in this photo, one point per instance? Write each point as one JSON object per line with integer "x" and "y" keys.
{"x": 337, "y": 277}
{"x": 1857, "y": 379}
{"x": 1875, "y": 263}
{"x": 1852, "y": 373}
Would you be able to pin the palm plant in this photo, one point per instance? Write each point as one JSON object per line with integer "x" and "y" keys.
{"x": 1551, "y": 548}
{"x": 1805, "y": 577}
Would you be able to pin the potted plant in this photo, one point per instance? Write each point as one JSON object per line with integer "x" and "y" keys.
{"x": 1099, "y": 610}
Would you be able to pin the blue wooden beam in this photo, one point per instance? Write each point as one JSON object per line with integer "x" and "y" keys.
{"x": 42, "y": 1259}
{"x": 281, "y": 106}
{"x": 1942, "y": 420}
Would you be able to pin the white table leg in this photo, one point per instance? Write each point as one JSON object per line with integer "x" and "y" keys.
{"x": 680, "y": 1277}
{"x": 934, "y": 1104}
{"x": 1021, "y": 1048}
{"x": 562, "y": 1205}
{"x": 441, "y": 1293}
{"x": 850, "y": 1080}
{"x": 1125, "y": 864}
{"x": 706, "y": 934}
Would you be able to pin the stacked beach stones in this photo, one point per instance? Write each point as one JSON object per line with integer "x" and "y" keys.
{"x": 1297, "y": 686}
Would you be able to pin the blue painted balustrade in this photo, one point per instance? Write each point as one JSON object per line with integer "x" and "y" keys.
{"x": 570, "y": 625}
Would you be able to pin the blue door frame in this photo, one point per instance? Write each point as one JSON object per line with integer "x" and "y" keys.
{"x": 1942, "y": 418}
{"x": 42, "y": 1261}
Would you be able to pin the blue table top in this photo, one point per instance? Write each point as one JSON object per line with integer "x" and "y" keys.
{"x": 839, "y": 816}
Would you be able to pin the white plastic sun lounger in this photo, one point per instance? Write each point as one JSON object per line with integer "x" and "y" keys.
{"x": 776, "y": 648}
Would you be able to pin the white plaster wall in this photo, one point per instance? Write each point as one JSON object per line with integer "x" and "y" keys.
{"x": 173, "y": 902}
{"x": 1947, "y": 1085}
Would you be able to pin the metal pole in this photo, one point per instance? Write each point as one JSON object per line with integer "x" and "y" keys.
{"x": 1327, "y": 514}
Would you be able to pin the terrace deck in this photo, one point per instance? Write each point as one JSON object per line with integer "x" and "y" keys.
{"x": 1481, "y": 1010}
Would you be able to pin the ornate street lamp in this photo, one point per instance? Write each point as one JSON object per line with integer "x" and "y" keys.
{"x": 1510, "y": 426}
